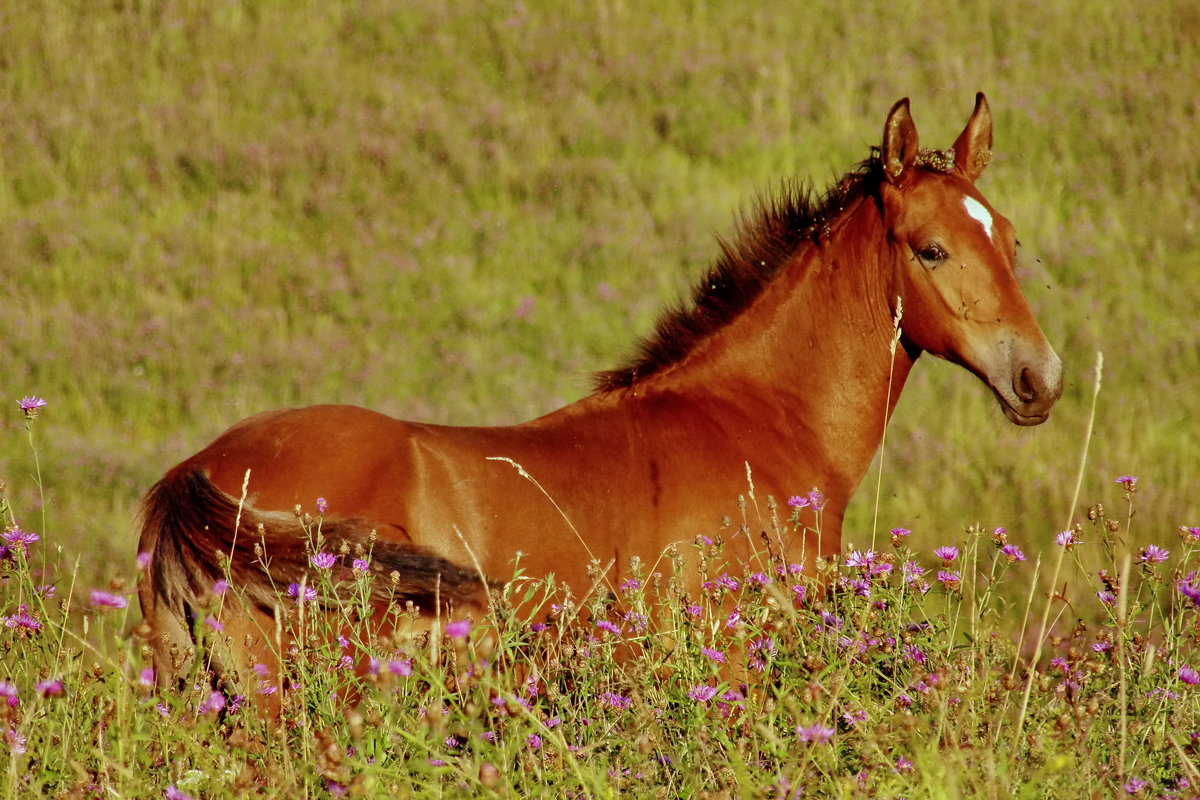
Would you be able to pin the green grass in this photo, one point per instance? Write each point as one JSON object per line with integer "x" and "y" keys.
{"x": 211, "y": 209}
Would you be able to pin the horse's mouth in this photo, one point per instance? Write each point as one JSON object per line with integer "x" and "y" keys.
{"x": 1016, "y": 416}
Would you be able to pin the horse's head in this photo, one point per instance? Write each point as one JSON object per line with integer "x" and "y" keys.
{"x": 954, "y": 256}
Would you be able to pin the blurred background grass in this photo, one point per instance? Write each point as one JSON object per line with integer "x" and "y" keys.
{"x": 454, "y": 212}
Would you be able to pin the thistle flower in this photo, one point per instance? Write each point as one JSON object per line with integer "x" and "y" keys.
{"x": 716, "y": 656}
{"x": 19, "y": 539}
{"x": 1188, "y": 675}
{"x": 1153, "y": 554}
{"x": 50, "y": 688}
{"x": 30, "y": 405}
{"x": 214, "y": 703}
{"x": 143, "y": 560}
{"x": 762, "y": 650}
{"x": 947, "y": 553}
{"x": 107, "y": 599}
{"x": 22, "y": 622}
{"x": 1188, "y": 588}
{"x": 1135, "y": 784}
{"x": 815, "y": 733}
{"x": 611, "y": 627}
{"x": 323, "y": 560}
{"x": 1013, "y": 552}
{"x": 950, "y": 580}
{"x": 702, "y": 693}
{"x": 322, "y": 506}
{"x": 1066, "y": 539}
{"x": 175, "y": 794}
{"x": 619, "y": 702}
{"x": 459, "y": 629}
{"x": 1127, "y": 481}
{"x": 307, "y": 595}
{"x": 856, "y": 558}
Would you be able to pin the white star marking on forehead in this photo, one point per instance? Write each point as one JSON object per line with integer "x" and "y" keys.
{"x": 979, "y": 214}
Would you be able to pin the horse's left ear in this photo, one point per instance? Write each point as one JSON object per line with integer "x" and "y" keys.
{"x": 973, "y": 148}
{"x": 900, "y": 142}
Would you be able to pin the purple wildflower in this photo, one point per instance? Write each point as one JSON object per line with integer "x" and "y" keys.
{"x": 146, "y": 676}
{"x": 1066, "y": 539}
{"x": 702, "y": 693}
{"x": 361, "y": 565}
{"x": 903, "y": 765}
{"x": 1135, "y": 784}
{"x": 16, "y": 742}
{"x": 615, "y": 700}
{"x": 459, "y": 629}
{"x": 214, "y": 703}
{"x": 52, "y": 688}
{"x": 108, "y": 600}
{"x": 143, "y": 560}
{"x": 860, "y": 559}
{"x": 1153, "y": 554}
{"x": 308, "y": 594}
{"x": 715, "y": 656}
{"x": 815, "y": 733}
{"x": 534, "y": 741}
{"x": 9, "y": 692}
{"x": 631, "y": 585}
{"x": 1107, "y": 597}
{"x": 1189, "y": 589}
{"x": 946, "y": 553}
{"x": 1190, "y": 530}
{"x": 324, "y": 560}
{"x": 322, "y": 506}
{"x": 1127, "y": 481}
{"x": 948, "y": 579}
{"x": 19, "y": 539}
{"x": 401, "y": 667}
{"x": 174, "y": 794}
{"x": 1188, "y": 675}
{"x": 22, "y": 622}
{"x": 900, "y": 533}
{"x": 220, "y": 587}
{"x": 762, "y": 650}
{"x": 1013, "y": 552}
{"x": 30, "y": 405}
{"x": 796, "y": 501}
{"x": 611, "y": 627}
{"x": 816, "y": 500}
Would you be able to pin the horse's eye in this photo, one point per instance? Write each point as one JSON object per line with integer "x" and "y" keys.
{"x": 932, "y": 254}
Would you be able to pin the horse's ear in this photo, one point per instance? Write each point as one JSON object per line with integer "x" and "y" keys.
{"x": 899, "y": 142}
{"x": 973, "y": 148}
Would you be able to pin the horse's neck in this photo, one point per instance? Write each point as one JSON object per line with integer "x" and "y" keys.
{"x": 810, "y": 358}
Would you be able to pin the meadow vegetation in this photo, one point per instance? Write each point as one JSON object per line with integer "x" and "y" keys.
{"x": 456, "y": 212}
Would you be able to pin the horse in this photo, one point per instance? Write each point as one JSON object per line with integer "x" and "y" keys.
{"x": 782, "y": 370}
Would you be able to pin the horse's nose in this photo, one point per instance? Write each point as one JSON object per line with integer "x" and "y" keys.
{"x": 1039, "y": 386}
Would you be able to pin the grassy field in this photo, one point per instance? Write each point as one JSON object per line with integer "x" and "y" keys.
{"x": 456, "y": 212}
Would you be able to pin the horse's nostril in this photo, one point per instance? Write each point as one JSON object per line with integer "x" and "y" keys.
{"x": 1025, "y": 386}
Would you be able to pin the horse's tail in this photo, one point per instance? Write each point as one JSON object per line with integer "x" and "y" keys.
{"x": 196, "y": 535}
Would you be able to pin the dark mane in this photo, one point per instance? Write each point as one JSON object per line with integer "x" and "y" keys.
{"x": 765, "y": 240}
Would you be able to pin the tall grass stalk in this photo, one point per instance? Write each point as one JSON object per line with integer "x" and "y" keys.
{"x": 1052, "y": 595}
